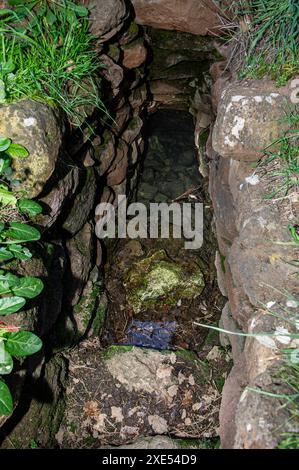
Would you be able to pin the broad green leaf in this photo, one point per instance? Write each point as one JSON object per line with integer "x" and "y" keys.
{"x": 29, "y": 207}
{"x": 22, "y": 232}
{"x": 22, "y": 343}
{"x": 28, "y": 287}
{"x": 17, "y": 151}
{"x": 4, "y": 163}
{"x": 2, "y": 226}
{"x": 12, "y": 279}
{"x": 20, "y": 252}
{"x": 6, "y": 403}
{"x": 4, "y": 288}
{"x": 10, "y": 305}
{"x": 4, "y": 144}
{"x": 7, "y": 198}
{"x": 6, "y": 361}
{"x": 5, "y": 254}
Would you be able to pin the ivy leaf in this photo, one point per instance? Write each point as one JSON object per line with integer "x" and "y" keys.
{"x": 7, "y": 198}
{"x": 20, "y": 252}
{"x": 10, "y": 305}
{"x": 6, "y": 361}
{"x": 22, "y": 232}
{"x": 22, "y": 343}
{"x": 4, "y": 144}
{"x": 4, "y": 288}
{"x": 29, "y": 207}
{"x": 28, "y": 287}
{"x": 6, "y": 403}
{"x": 17, "y": 151}
{"x": 5, "y": 254}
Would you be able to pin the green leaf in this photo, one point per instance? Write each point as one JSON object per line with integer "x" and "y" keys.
{"x": 22, "y": 232}
{"x": 4, "y": 163}
{"x": 28, "y": 287}
{"x": 10, "y": 305}
{"x": 5, "y": 254}
{"x": 17, "y": 151}
{"x": 29, "y": 207}
{"x": 6, "y": 403}
{"x": 12, "y": 279}
{"x": 4, "y": 288}
{"x": 20, "y": 252}
{"x": 4, "y": 144}
{"x": 7, "y": 198}
{"x": 22, "y": 343}
{"x": 6, "y": 361}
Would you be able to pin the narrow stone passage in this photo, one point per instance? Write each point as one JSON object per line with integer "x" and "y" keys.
{"x": 154, "y": 372}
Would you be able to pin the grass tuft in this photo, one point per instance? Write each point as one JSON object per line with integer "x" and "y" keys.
{"x": 55, "y": 62}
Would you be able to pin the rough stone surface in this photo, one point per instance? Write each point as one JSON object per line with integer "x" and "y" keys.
{"x": 157, "y": 279}
{"x": 59, "y": 197}
{"x": 249, "y": 119}
{"x": 80, "y": 253}
{"x": 134, "y": 392}
{"x": 135, "y": 54}
{"x": 260, "y": 419}
{"x": 191, "y": 16}
{"x": 34, "y": 125}
{"x": 82, "y": 205}
{"x": 107, "y": 17}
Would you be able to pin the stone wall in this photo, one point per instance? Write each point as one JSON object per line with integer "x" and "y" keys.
{"x": 69, "y": 173}
{"x": 254, "y": 263}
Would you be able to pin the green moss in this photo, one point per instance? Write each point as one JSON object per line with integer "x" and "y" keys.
{"x": 115, "y": 349}
{"x": 157, "y": 280}
{"x": 281, "y": 71}
{"x": 187, "y": 355}
{"x": 212, "y": 338}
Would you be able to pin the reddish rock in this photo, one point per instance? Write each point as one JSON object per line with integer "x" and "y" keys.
{"x": 118, "y": 171}
{"x": 134, "y": 54}
{"x": 191, "y": 16}
{"x": 106, "y": 18}
{"x": 112, "y": 72}
{"x": 249, "y": 119}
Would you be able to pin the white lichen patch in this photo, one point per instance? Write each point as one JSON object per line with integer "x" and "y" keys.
{"x": 229, "y": 142}
{"x": 237, "y": 98}
{"x": 258, "y": 99}
{"x": 239, "y": 124}
{"x": 282, "y": 335}
{"x": 29, "y": 122}
{"x": 266, "y": 341}
{"x": 253, "y": 180}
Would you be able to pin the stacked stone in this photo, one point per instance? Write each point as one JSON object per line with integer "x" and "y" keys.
{"x": 254, "y": 263}
{"x": 69, "y": 176}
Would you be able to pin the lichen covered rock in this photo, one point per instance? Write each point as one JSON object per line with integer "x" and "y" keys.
{"x": 250, "y": 118}
{"x": 157, "y": 279}
{"x": 116, "y": 396}
{"x": 34, "y": 125}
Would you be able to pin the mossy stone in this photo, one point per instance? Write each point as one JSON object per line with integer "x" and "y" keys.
{"x": 158, "y": 280}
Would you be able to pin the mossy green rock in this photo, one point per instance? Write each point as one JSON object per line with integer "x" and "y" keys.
{"x": 158, "y": 280}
